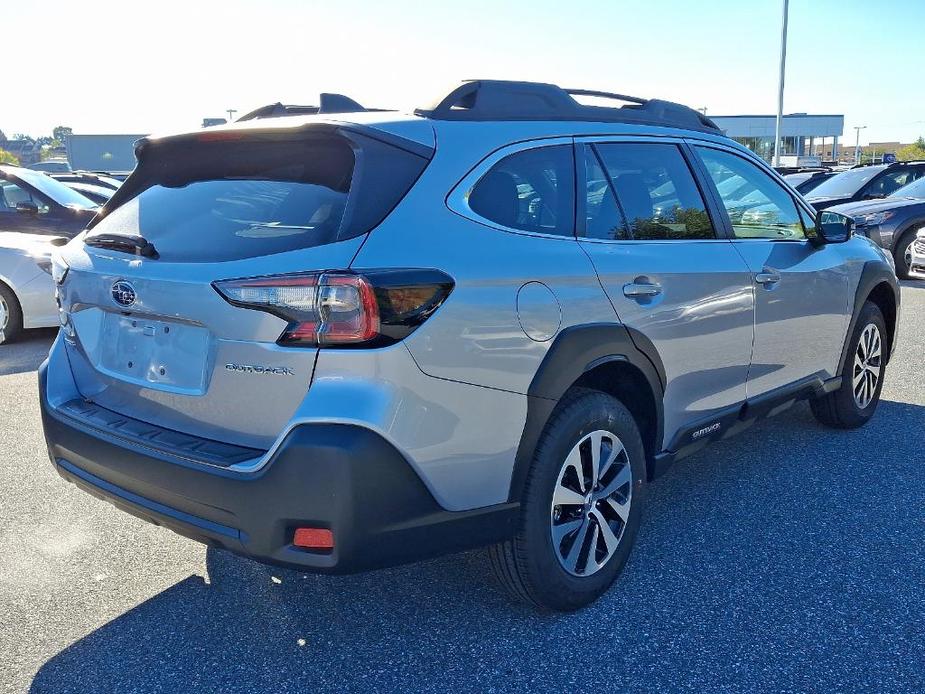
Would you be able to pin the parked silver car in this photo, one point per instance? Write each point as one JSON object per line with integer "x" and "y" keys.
{"x": 27, "y": 292}
{"x": 336, "y": 342}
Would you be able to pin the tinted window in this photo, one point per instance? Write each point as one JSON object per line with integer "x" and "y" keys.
{"x": 218, "y": 201}
{"x": 603, "y": 219}
{"x": 532, "y": 190}
{"x": 655, "y": 191}
{"x": 55, "y": 190}
{"x": 762, "y": 209}
{"x": 891, "y": 182}
{"x": 10, "y": 194}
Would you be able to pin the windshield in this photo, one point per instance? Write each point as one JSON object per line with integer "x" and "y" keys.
{"x": 55, "y": 190}
{"x": 846, "y": 183}
{"x": 916, "y": 189}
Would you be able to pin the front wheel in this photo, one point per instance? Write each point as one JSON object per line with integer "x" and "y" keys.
{"x": 855, "y": 402}
{"x": 581, "y": 506}
{"x": 903, "y": 255}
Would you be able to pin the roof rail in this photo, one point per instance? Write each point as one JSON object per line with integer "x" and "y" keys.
{"x": 487, "y": 100}
{"x": 328, "y": 103}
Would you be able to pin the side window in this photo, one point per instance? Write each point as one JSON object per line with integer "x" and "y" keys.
{"x": 759, "y": 209}
{"x": 10, "y": 194}
{"x": 603, "y": 219}
{"x": 532, "y": 190}
{"x": 889, "y": 182}
{"x": 655, "y": 191}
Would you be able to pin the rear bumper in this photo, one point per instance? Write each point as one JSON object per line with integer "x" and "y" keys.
{"x": 342, "y": 477}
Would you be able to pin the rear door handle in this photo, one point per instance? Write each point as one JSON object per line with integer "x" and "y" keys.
{"x": 767, "y": 276}
{"x": 641, "y": 289}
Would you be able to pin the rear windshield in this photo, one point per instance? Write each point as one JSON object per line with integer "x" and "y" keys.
{"x": 216, "y": 201}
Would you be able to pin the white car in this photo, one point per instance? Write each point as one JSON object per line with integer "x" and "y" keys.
{"x": 27, "y": 292}
{"x": 917, "y": 260}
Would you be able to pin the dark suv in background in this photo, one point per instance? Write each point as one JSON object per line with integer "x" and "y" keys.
{"x": 866, "y": 182}
{"x": 891, "y": 222}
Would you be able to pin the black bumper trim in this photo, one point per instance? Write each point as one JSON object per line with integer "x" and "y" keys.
{"x": 113, "y": 492}
{"x": 341, "y": 477}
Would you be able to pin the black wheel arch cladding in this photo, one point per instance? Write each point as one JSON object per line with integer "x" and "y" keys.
{"x": 877, "y": 284}
{"x": 574, "y": 352}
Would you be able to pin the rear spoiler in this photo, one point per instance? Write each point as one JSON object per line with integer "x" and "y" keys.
{"x": 327, "y": 103}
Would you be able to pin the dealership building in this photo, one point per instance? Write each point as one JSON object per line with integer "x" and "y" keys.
{"x": 802, "y": 134}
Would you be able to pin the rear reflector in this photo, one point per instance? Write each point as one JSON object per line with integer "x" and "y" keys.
{"x": 313, "y": 538}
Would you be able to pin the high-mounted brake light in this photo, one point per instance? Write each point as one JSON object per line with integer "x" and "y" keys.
{"x": 342, "y": 308}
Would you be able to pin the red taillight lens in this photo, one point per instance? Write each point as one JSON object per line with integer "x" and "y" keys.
{"x": 342, "y": 308}
{"x": 323, "y": 308}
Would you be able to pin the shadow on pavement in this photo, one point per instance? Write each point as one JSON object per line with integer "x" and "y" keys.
{"x": 788, "y": 558}
{"x": 27, "y": 352}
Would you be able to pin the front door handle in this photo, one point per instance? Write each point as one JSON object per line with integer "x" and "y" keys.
{"x": 641, "y": 289}
{"x": 767, "y": 276}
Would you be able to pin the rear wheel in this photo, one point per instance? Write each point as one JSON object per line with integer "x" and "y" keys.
{"x": 581, "y": 506}
{"x": 10, "y": 315}
{"x": 862, "y": 375}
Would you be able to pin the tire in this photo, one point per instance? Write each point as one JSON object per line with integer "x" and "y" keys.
{"x": 10, "y": 315}
{"x": 532, "y": 566}
{"x": 845, "y": 408}
{"x": 901, "y": 255}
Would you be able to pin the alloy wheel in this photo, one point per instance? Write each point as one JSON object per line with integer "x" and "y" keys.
{"x": 591, "y": 503}
{"x": 867, "y": 366}
{"x": 4, "y": 314}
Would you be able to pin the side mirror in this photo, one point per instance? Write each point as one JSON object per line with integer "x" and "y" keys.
{"x": 834, "y": 227}
{"x": 27, "y": 207}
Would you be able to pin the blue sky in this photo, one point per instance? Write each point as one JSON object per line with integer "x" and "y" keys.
{"x": 166, "y": 65}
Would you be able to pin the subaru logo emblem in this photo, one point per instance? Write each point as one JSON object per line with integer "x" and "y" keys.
{"x": 123, "y": 293}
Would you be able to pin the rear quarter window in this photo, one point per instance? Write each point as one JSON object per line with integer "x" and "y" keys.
{"x": 531, "y": 190}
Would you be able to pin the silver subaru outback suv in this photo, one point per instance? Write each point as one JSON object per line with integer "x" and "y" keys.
{"x": 346, "y": 340}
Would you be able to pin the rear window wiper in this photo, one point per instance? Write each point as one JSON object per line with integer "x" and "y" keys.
{"x": 124, "y": 243}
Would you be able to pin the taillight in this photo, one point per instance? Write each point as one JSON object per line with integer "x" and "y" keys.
{"x": 376, "y": 308}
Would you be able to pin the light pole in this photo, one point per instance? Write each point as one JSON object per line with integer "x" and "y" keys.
{"x": 780, "y": 84}
{"x": 857, "y": 143}
{"x": 231, "y": 112}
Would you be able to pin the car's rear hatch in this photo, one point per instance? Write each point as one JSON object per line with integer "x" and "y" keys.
{"x": 151, "y": 338}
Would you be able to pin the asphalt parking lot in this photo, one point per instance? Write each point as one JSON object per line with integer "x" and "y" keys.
{"x": 791, "y": 558}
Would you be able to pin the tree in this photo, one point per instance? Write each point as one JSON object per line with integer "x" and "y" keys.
{"x": 61, "y": 133}
{"x": 912, "y": 152}
{"x": 7, "y": 158}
